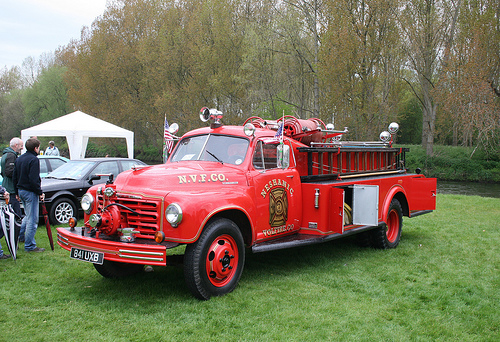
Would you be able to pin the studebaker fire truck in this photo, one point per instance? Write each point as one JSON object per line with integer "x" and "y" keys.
{"x": 262, "y": 186}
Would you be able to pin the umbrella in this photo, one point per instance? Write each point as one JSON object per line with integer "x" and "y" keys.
{"x": 11, "y": 225}
{"x": 45, "y": 214}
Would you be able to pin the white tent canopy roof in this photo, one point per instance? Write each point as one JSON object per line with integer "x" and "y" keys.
{"x": 78, "y": 127}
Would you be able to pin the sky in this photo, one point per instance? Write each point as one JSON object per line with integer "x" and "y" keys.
{"x": 33, "y": 27}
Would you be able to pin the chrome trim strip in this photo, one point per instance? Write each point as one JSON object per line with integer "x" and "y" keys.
{"x": 63, "y": 242}
{"x": 62, "y": 237}
{"x": 140, "y": 252}
{"x": 140, "y": 258}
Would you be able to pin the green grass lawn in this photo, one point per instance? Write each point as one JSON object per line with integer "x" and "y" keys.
{"x": 441, "y": 284}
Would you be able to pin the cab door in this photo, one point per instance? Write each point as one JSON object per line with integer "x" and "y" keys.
{"x": 278, "y": 192}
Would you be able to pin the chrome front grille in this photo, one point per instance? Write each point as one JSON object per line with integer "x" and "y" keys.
{"x": 146, "y": 215}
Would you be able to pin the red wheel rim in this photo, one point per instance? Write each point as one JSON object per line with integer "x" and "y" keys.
{"x": 222, "y": 260}
{"x": 392, "y": 226}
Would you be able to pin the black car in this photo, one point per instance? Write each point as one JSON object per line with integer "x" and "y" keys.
{"x": 65, "y": 186}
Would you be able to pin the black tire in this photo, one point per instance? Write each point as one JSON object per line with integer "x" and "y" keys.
{"x": 388, "y": 235}
{"x": 113, "y": 269}
{"x": 214, "y": 263}
{"x": 62, "y": 210}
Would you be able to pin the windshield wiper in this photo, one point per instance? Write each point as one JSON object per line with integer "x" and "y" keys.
{"x": 213, "y": 155}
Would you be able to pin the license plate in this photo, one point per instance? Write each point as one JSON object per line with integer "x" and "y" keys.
{"x": 88, "y": 256}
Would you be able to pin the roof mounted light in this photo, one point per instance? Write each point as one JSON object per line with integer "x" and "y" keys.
{"x": 249, "y": 129}
{"x": 211, "y": 114}
{"x": 385, "y": 136}
{"x": 393, "y": 128}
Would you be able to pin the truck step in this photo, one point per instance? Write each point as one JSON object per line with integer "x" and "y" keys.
{"x": 296, "y": 240}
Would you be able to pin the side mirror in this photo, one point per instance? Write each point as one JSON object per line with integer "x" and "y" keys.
{"x": 283, "y": 154}
{"x": 93, "y": 178}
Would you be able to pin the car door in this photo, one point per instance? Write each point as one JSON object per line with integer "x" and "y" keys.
{"x": 278, "y": 196}
{"x": 53, "y": 163}
{"x": 105, "y": 168}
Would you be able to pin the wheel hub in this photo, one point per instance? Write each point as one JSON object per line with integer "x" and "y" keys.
{"x": 222, "y": 260}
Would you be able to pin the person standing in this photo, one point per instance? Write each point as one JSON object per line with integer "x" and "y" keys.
{"x": 10, "y": 155}
{"x": 27, "y": 184}
{"x": 52, "y": 150}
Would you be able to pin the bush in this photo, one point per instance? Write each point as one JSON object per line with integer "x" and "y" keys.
{"x": 454, "y": 163}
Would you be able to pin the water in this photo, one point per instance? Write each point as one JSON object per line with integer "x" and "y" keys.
{"x": 469, "y": 188}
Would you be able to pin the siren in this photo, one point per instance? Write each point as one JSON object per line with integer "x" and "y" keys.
{"x": 211, "y": 114}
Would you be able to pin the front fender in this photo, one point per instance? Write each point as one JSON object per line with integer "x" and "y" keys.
{"x": 62, "y": 193}
{"x": 199, "y": 208}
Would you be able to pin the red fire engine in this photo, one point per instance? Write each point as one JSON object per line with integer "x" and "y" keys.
{"x": 263, "y": 186}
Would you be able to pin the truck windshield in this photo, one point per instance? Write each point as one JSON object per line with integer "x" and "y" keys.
{"x": 210, "y": 147}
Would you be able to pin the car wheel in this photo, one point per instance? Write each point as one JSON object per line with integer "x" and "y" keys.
{"x": 62, "y": 210}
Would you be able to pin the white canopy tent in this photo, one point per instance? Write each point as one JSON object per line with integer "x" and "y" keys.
{"x": 78, "y": 127}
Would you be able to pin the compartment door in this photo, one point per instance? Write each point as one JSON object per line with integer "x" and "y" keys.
{"x": 422, "y": 194}
{"x": 365, "y": 205}
{"x": 336, "y": 217}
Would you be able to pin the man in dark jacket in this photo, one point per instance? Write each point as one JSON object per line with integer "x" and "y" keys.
{"x": 9, "y": 157}
{"x": 27, "y": 184}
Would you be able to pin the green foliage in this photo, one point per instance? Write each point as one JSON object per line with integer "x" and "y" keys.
{"x": 106, "y": 147}
{"x": 410, "y": 121}
{"x": 454, "y": 163}
{"x": 439, "y": 284}
{"x": 47, "y": 98}
{"x": 275, "y": 109}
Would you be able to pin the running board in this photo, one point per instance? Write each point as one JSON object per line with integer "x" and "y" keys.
{"x": 420, "y": 212}
{"x": 297, "y": 240}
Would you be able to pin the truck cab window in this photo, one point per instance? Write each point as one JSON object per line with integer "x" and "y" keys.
{"x": 211, "y": 147}
{"x": 265, "y": 156}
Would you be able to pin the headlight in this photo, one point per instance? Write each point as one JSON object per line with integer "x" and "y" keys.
{"x": 87, "y": 203}
{"x": 173, "y": 213}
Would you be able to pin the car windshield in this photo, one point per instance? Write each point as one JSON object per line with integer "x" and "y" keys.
{"x": 74, "y": 169}
{"x": 210, "y": 147}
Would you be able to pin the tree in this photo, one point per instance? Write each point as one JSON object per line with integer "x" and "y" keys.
{"x": 468, "y": 89}
{"x": 361, "y": 66}
{"x": 428, "y": 29}
{"x": 47, "y": 98}
{"x": 11, "y": 107}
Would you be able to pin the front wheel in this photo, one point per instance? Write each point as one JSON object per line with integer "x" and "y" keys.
{"x": 62, "y": 210}
{"x": 214, "y": 263}
{"x": 389, "y": 235}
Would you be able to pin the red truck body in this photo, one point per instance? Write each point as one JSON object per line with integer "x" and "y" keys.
{"x": 223, "y": 190}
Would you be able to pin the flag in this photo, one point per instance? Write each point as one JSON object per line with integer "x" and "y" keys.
{"x": 168, "y": 141}
{"x": 279, "y": 133}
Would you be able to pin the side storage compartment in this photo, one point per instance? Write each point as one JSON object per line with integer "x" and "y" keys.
{"x": 323, "y": 209}
{"x": 365, "y": 205}
{"x": 361, "y": 205}
{"x": 422, "y": 194}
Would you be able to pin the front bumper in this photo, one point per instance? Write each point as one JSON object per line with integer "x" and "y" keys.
{"x": 142, "y": 251}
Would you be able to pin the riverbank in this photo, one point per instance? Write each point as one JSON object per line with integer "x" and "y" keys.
{"x": 454, "y": 163}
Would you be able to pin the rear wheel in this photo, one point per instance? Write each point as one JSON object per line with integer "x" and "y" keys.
{"x": 389, "y": 234}
{"x": 214, "y": 263}
{"x": 113, "y": 269}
